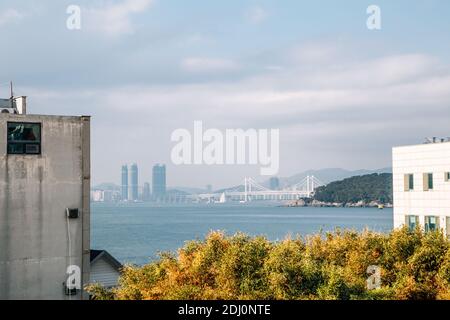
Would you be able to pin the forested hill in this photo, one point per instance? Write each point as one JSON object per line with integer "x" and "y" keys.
{"x": 367, "y": 188}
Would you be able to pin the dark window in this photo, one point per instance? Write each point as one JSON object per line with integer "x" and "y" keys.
{"x": 447, "y": 176}
{"x": 431, "y": 223}
{"x": 411, "y": 182}
{"x": 24, "y": 138}
{"x": 448, "y": 227}
{"x": 427, "y": 181}
{"x": 430, "y": 181}
{"x": 412, "y": 222}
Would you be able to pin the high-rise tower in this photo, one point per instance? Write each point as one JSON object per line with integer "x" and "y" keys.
{"x": 125, "y": 182}
{"x": 133, "y": 189}
{"x": 159, "y": 181}
{"x": 146, "y": 192}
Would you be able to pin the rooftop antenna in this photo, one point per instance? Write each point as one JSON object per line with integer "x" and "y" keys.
{"x": 12, "y": 93}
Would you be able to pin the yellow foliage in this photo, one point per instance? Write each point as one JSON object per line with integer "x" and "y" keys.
{"x": 333, "y": 265}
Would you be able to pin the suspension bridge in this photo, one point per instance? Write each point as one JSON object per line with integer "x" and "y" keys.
{"x": 252, "y": 190}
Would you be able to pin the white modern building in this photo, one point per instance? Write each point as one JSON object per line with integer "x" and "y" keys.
{"x": 421, "y": 183}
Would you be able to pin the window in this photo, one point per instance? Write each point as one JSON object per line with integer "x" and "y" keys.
{"x": 409, "y": 182}
{"x": 431, "y": 223}
{"x": 412, "y": 222}
{"x": 24, "y": 138}
{"x": 448, "y": 228}
{"x": 427, "y": 181}
{"x": 447, "y": 176}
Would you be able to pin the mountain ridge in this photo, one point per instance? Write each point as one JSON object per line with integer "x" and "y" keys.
{"x": 328, "y": 175}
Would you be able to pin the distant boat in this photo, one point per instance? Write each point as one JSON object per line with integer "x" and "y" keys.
{"x": 381, "y": 206}
{"x": 222, "y": 198}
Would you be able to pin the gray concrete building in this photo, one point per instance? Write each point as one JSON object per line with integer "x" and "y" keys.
{"x": 44, "y": 206}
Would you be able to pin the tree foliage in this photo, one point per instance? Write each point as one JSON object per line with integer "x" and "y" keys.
{"x": 413, "y": 265}
{"x": 367, "y": 188}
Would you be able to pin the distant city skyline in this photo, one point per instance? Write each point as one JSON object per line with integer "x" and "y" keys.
{"x": 275, "y": 182}
{"x": 341, "y": 95}
{"x": 133, "y": 187}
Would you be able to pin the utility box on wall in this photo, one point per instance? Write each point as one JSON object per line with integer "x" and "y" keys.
{"x": 44, "y": 205}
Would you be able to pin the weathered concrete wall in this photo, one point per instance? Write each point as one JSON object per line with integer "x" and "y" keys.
{"x": 35, "y": 190}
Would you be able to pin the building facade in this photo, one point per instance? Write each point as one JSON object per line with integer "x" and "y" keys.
{"x": 421, "y": 183}
{"x": 159, "y": 181}
{"x": 105, "y": 196}
{"x": 97, "y": 196}
{"x": 146, "y": 193}
{"x": 124, "y": 186}
{"x": 44, "y": 206}
{"x": 133, "y": 193}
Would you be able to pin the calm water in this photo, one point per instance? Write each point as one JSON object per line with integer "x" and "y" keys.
{"x": 137, "y": 232}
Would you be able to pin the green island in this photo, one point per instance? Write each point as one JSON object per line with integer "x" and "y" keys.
{"x": 367, "y": 188}
{"x": 412, "y": 264}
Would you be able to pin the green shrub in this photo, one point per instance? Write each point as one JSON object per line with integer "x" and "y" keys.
{"x": 333, "y": 265}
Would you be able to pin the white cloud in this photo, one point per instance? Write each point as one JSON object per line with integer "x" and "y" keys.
{"x": 348, "y": 113}
{"x": 208, "y": 65}
{"x": 196, "y": 38}
{"x": 114, "y": 19}
{"x": 274, "y": 68}
{"x": 379, "y": 86}
{"x": 360, "y": 93}
{"x": 382, "y": 71}
{"x": 369, "y": 88}
{"x": 319, "y": 52}
{"x": 10, "y": 16}
{"x": 256, "y": 15}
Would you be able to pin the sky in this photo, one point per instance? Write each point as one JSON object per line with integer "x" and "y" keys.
{"x": 340, "y": 94}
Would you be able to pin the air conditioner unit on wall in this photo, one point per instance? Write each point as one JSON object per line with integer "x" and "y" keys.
{"x": 14, "y": 105}
{"x": 8, "y": 110}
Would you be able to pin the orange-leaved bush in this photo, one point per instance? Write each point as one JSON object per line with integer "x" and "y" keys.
{"x": 332, "y": 265}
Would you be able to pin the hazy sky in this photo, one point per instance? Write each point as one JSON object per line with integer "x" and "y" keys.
{"x": 341, "y": 95}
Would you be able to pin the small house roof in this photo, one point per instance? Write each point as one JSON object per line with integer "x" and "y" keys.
{"x": 98, "y": 254}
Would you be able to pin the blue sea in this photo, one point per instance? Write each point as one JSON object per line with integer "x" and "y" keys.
{"x": 135, "y": 233}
